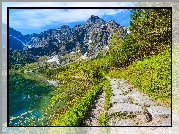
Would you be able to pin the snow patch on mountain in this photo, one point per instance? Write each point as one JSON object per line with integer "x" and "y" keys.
{"x": 55, "y": 58}
{"x": 72, "y": 52}
{"x": 107, "y": 47}
{"x": 84, "y": 56}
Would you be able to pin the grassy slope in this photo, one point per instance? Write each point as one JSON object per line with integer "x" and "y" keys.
{"x": 75, "y": 115}
{"x": 151, "y": 75}
{"x": 84, "y": 91}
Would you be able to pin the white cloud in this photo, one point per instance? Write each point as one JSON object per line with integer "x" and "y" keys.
{"x": 43, "y": 17}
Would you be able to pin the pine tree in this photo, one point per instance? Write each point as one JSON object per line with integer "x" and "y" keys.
{"x": 150, "y": 33}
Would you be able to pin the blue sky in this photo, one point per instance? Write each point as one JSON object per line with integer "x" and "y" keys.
{"x": 29, "y": 21}
{"x": 36, "y": 21}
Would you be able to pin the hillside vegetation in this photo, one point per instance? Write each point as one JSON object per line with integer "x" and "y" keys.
{"x": 152, "y": 75}
{"x": 143, "y": 58}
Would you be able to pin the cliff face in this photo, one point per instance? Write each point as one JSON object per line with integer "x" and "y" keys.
{"x": 89, "y": 38}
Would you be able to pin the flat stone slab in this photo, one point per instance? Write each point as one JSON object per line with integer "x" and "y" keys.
{"x": 159, "y": 112}
{"x": 166, "y": 122}
{"x": 125, "y": 89}
{"x": 141, "y": 118}
{"x": 160, "y": 122}
{"x": 116, "y": 121}
{"x": 114, "y": 87}
{"x": 140, "y": 98}
{"x": 114, "y": 80}
{"x": 137, "y": 94}
{"x": 122, "y": 81}
{"x": 126, "y": 85}
{"x": 126, "y": 108}
{"x": 117, "y": 92}
{"x": 118, "y": 99}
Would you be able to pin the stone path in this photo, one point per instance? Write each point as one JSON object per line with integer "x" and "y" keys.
{"x": 130, "y": 107}
{"x": 96, "y": 110}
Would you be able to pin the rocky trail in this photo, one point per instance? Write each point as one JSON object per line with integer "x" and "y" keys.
{"x": 96, "y": 109}
{"x": 129, "y": 107}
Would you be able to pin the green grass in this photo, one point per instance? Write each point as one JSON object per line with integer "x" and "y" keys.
{"x": 108, "y": 94}
{"x": 151, "y": 75}
{"x": 103, "y": 120}
{"x": 75, "y": 115}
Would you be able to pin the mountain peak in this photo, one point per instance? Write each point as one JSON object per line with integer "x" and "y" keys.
{"x": 92, "y": 36}
{"x": 95, "y": 20}
{"x": 112, "y": 22}
{"x": 94, "y": 17}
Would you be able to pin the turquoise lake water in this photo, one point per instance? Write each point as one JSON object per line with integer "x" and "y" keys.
{"x": 28, "y": 95}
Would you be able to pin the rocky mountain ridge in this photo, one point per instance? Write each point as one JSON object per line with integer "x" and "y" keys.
{"x": 89, "y": 38}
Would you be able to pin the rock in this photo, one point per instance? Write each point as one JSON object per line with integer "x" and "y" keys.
{"x": 127, "y": 122}
{"x": 117, "y": 92}
{"x": 141, "y": 118}
{"x": 118, "y": 99}
{"x": 128, "y": 102}
{"x": 28, "y": 71}
{"x": 159, "y": 111}
{"x": 140, "y": 98}
{"x": 125, "y": 89}
{"x": 166, "y": 122}
{"x": 127, "y": 85}
{"x": 121, "y": 82}
{"x": 125, "y": 108}
{"x": 114, "y": 87}
{"x": 95, "y": 110}
{"x": 160, "y": 122}
{"x": 114, "y": 82}
{"x": 116, "y": 121}
{"x": 95, "y": 34}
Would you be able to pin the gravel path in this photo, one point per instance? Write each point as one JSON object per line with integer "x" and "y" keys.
{"x": 96, "y": 109}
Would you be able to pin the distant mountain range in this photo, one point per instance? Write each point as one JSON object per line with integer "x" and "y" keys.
{"x": 89, "y": 38}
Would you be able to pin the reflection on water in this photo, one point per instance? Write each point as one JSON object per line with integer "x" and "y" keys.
{"x": 29, "y": 92}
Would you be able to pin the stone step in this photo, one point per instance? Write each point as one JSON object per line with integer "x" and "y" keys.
{"x": 117, "y": 92}
{"x": 140, "y": 98}
{"x": 125, "y": 108}
{"x": 118, "y": 99}
{"x": 117, "y": 121}
{"x": 159, "y": 112}
{"x": 130, "y": 107}
{"x": 114, "y": 87}
{"x": 122, "y": 81}
{"x": 125, "y": 89}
